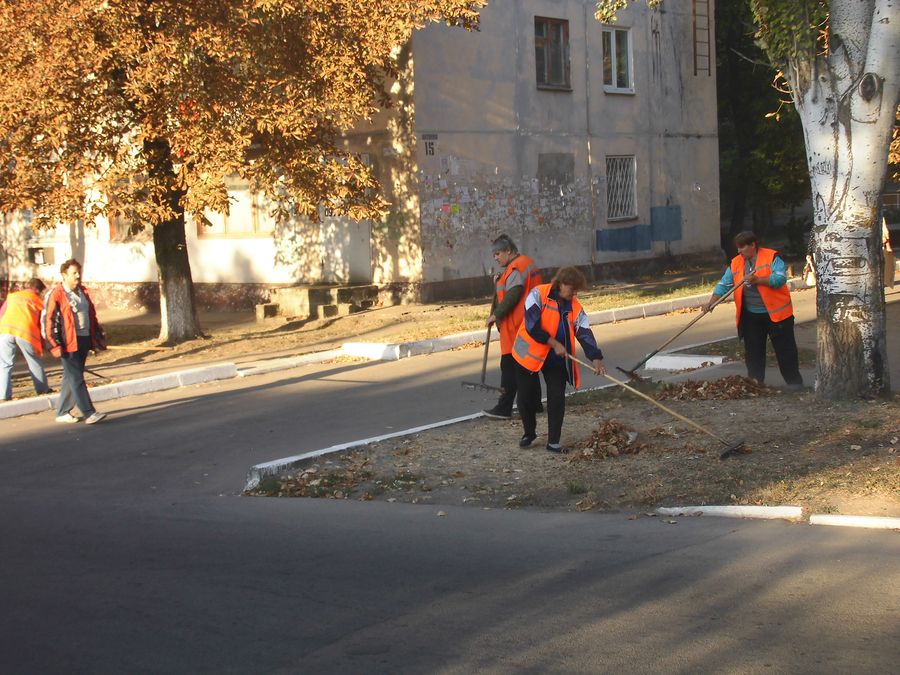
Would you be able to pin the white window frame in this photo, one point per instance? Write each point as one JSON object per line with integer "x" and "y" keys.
{"x": 247, "y": 208}
{"x": 612, "y": 85}
{"x": 621, "y": 188}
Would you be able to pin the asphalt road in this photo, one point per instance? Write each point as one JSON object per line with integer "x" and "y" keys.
{"x": 127, "y": 548}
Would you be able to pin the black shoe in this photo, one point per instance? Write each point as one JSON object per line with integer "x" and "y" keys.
{"x": 526, "y": 441}
{"x": 496, "y": 414}
{"x": 557, "y": 448}
{"x": 539, "y": 409}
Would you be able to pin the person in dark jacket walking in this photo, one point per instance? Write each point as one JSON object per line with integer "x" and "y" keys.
{"x": 72, "y": 330}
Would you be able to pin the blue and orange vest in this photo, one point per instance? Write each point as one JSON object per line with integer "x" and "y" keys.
{"x": 776, "y": 300}
{"x": 530, "y": 353}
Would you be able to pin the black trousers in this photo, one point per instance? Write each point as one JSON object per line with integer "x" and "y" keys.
{"x": 510, "y": 386}
{"x": 529, "y": 383}
{"x": 755, "y": 330}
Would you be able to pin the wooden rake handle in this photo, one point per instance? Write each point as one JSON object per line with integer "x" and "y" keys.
{"x": 652, "y": 400}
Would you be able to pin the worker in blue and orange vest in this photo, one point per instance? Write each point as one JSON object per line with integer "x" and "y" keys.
{"x": 554, "y": 320}
{"x": 20, "y": 326}
{"x": 520, "y": 274}
{"x": 763, "y": 308}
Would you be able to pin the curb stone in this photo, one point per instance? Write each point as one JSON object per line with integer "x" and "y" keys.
{"x": 873, "y": 522}
{"x": 793, "y": 513}
{"x": 278, "y": 466}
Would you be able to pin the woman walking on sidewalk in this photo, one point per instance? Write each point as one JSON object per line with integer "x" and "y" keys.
{"x": 72, "y": 330}
{"x": 554, "y": 320}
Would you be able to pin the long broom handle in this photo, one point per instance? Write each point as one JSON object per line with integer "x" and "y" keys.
{"x": 651, "y": 400}
{"x": 683, "y": 330}
{"x": 693, "y": 321}
{"x": 487, "y": 344}
{"x": 487, "y": 337}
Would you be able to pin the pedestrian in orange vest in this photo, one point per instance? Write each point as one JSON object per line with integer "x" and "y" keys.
{"x": 520, "y": 274}
{"x": 763, "y": 309}
{"x": 554, "y": 320}
{"x": 72, "y": 330}
{"x": 20, "y": 326}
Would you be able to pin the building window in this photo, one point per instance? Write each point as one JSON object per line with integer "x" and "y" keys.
{"x": 551, "y": 53}
{"x": 617, "y": 60}
{"x": 247, "y": 214}
{"x": 123, "y": 230}
{"x": 621, "y": 185}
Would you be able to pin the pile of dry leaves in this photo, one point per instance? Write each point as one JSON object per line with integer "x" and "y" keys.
{"x": 730, "y": 388}
{"x": 610, "y": 439}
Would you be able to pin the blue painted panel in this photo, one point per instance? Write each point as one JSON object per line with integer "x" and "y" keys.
{"x": 666, "y": 222}
{"x": 634, "y": 238}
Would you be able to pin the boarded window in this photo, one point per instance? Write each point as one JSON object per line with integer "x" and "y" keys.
{"x": 555, "y": 170}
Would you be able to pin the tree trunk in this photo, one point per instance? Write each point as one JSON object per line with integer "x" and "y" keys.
{"x": 178, "y": 310}
{"x": 846, "y": 102}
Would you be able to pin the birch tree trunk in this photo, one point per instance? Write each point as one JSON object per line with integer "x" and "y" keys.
{"x": 178, "y": 309}
{"x": 847, "y": 100}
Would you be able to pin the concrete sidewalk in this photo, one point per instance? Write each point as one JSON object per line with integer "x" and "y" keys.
{"x": 128, "y": 380}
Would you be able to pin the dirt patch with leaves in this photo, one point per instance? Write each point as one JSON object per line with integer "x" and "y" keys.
{"x": 626, "y": 454}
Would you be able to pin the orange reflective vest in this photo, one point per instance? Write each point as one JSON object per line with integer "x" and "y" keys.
{"x": 508, "y": 326}
{"x": 531, "y": 353}
{"x": 776, "y": 300}
{"x": 20, "y": 317}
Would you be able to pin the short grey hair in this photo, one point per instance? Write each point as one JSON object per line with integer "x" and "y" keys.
{"x": 503, "y": 243}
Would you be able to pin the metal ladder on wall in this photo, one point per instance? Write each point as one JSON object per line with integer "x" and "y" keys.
{"x": 702, "y": 39}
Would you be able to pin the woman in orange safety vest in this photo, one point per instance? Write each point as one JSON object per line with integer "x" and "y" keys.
{"x": 20, "y": 326}
{"x": 519, "y": 276}
{"x": 554, "y": 320}
{"x": 763, "y": 309}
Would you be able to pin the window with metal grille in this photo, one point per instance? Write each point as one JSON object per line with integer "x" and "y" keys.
{"x": 551, "y": 53}
{"x": 617, "y": 60}
{"x": 621, "y": 185}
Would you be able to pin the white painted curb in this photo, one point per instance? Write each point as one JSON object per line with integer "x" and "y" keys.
{"x": 767, "y": 512}
{"x": 277, "y": 466}
{"x": 375, "y": 351}
{"x": 682, "y": 361}
{"x": 273, "y": 365}
{"x": 144, "y": 385}
{"x": 26, "y": 406}
{"x": 875, "y": 522}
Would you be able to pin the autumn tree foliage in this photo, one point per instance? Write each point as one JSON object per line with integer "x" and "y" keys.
{"x": 841, "y": 61}
{"x": 143, "y": 107}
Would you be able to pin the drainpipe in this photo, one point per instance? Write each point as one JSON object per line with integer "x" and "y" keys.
{"x": 587, "y": 115}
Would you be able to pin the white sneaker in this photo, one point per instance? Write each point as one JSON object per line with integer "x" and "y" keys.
{"x": 96, "y": 417}
{"x": 68, "y": 418}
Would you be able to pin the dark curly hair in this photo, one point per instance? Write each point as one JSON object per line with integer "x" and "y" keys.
{"x": 570, "y": 276}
